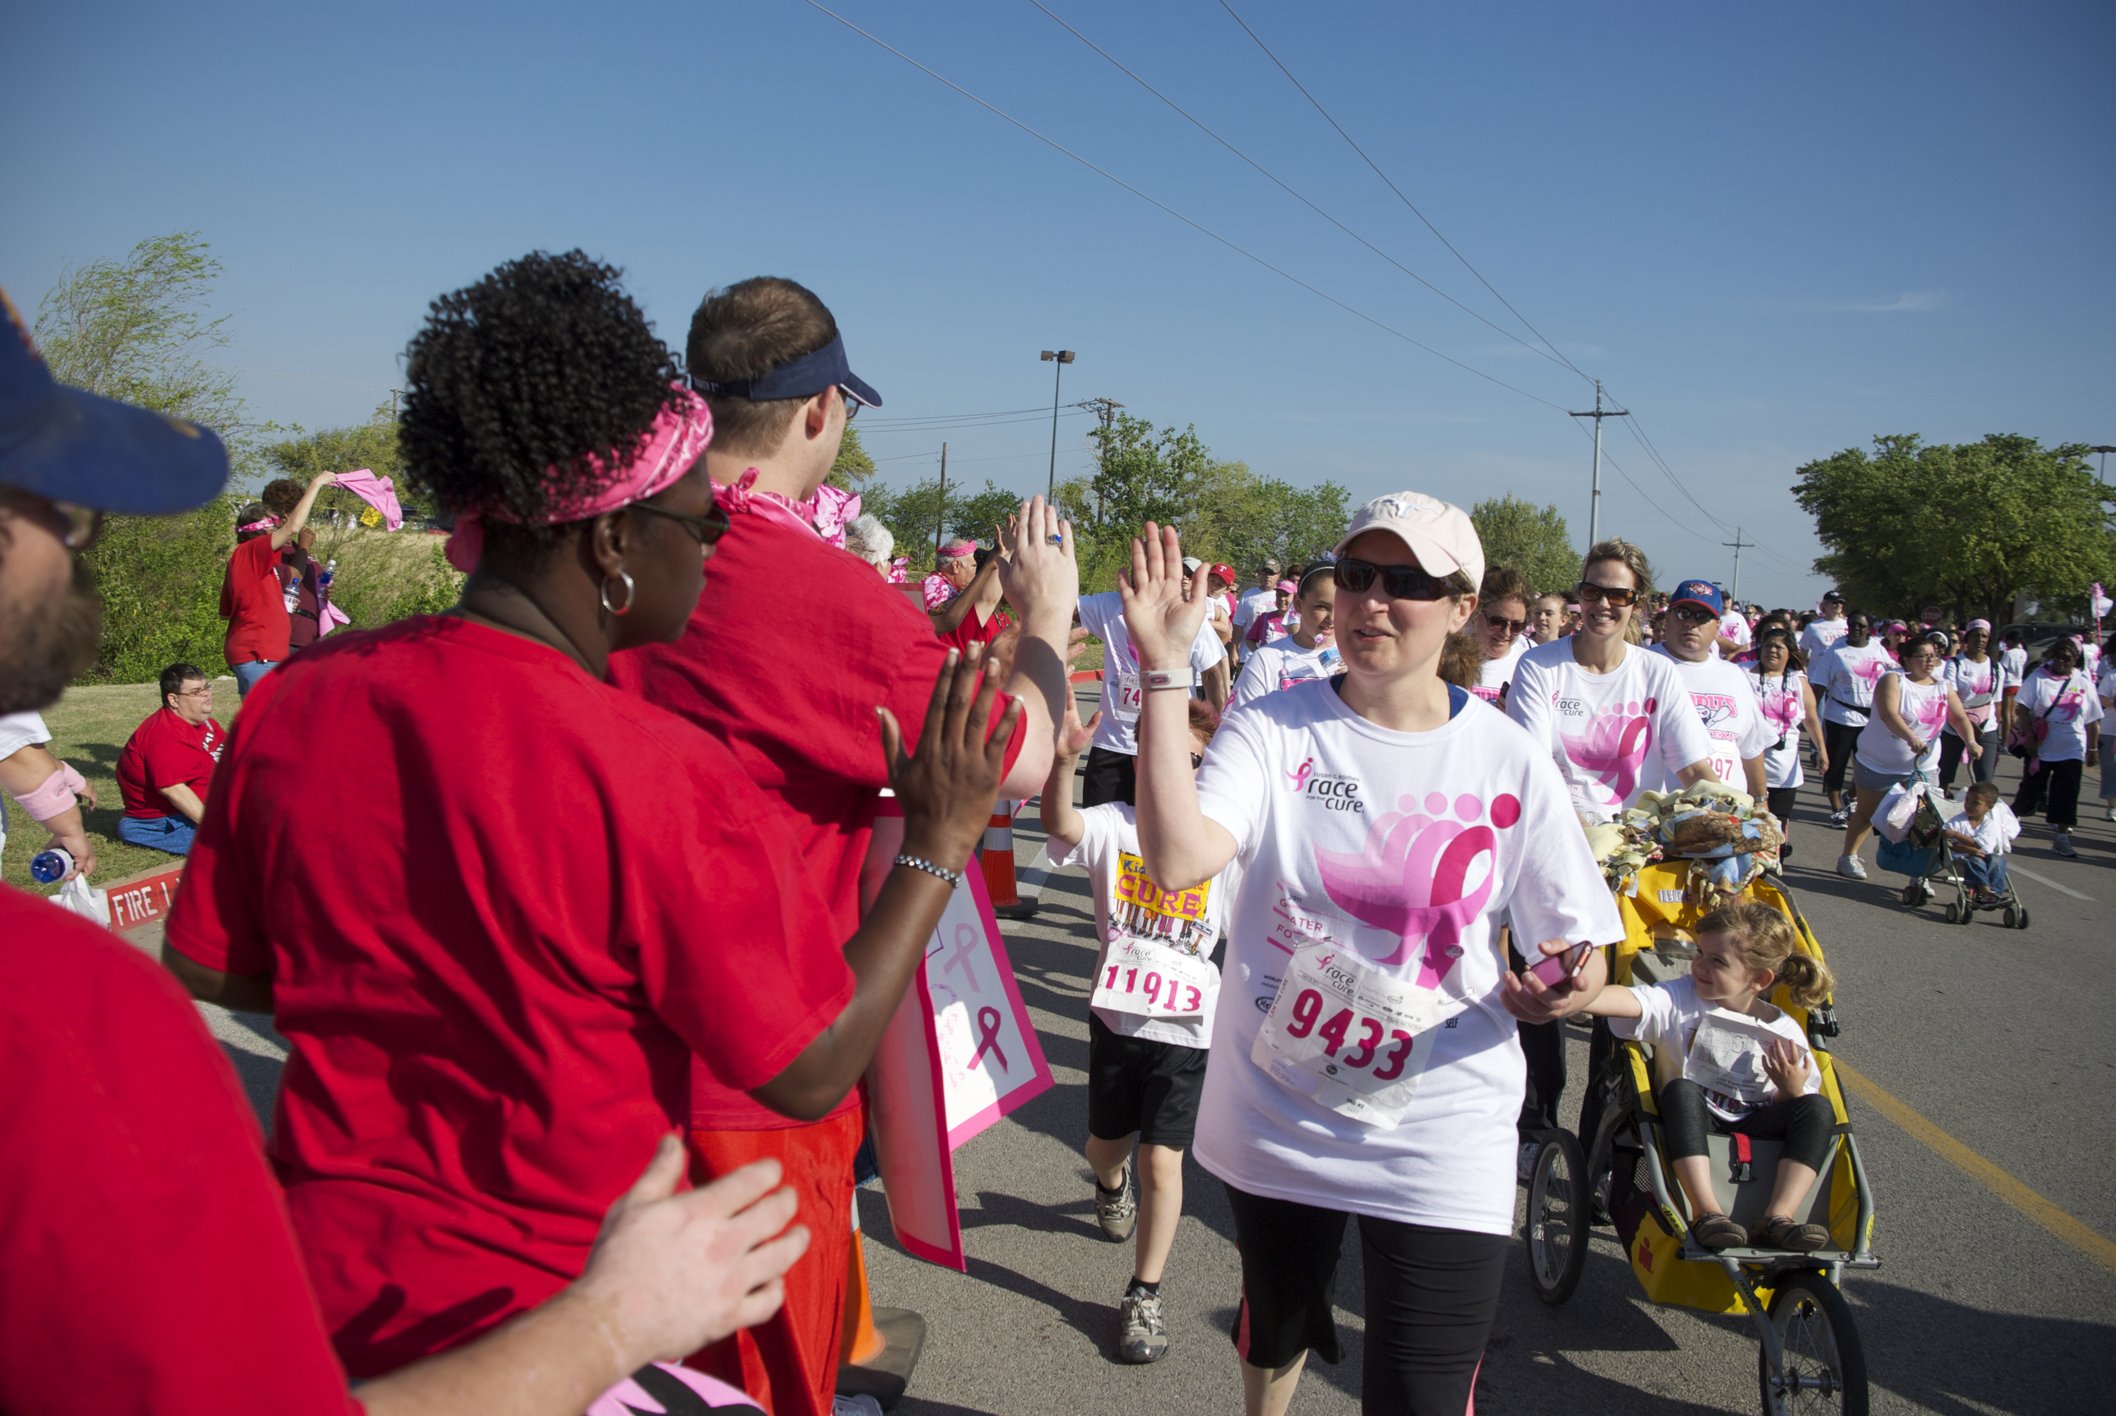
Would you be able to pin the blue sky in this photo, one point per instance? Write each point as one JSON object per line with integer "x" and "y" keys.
{"x": 1774, "y": 232}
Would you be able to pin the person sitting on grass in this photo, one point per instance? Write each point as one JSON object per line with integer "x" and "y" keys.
{"x": 1725, "y": 1077}
{"x": 168, "y": 763}
{"x": 1982, "y": 835}
{"x": 1149, "y": 1022}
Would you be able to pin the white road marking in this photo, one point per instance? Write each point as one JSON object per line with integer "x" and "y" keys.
{"x": 2046, "y": 880}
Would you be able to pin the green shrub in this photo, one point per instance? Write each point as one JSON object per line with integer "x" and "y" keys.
{"x": 160, "y": 580}
{"x": 389, "y": 575}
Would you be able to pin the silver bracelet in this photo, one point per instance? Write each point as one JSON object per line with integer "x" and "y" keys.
{"x": 953, "y": 877}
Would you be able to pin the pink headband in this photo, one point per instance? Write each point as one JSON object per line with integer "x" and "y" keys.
{"x": 270, "y": 523}
{"x": 957, "y": 550}
{"x": 674, "y": 443}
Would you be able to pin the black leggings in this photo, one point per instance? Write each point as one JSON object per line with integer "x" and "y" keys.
{"x": 1953, "y": 750}
{"x": 1431, "y": 1297}
{"x": 1780, "y": 800}
{"x": 1543, "y": 1045}
{"x": 1841, "y": 740}
{"x": 1803, "y": 1123}
{"x": 2054, "y": 783}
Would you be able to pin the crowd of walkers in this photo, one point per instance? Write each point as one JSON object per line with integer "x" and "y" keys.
{"x": 580, "y": 977}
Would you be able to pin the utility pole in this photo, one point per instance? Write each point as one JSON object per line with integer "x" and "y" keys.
{"x": 1594, "y": 505}
{"x": 940, "y": 513}
{"x": 1105, "y": 409}
{"x": 1737, "y": 543}
{"x": 1058, "y": 358}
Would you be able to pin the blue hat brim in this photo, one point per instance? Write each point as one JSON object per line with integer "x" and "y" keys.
{"x": 80, "y": 447}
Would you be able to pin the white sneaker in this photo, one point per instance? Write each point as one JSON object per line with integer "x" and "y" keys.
{"x": 1525, "y": 1161}
{"x": 2062, "y": 844}
{"x": 2112, "y": 813}
{"x": 1851, "y": 867}
{"x": 1840, "y": 816}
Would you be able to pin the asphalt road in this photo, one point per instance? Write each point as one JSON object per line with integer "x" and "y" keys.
{"x": 1997, "y": 1042}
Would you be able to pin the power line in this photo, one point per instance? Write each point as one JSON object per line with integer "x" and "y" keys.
{"x": 1274, "y": 179}
{"x": 1156, "y": 202}
{"x": 1413, "y": 206}
{"x": 869, "y": 422}
{"x": 1040, "y": 416}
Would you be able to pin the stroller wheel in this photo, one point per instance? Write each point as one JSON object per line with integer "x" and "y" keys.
{"x": 1559, "y": 1197}
{"x": 1954, "y": 913}
{"x": 2016, "y": 916}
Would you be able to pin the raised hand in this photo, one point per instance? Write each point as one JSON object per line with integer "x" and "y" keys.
{"x": 671, "y": 1273}
{"x": 1162, "y": 622}
{"x": 1040, "y": 573}
{"x": 947, "y": 787}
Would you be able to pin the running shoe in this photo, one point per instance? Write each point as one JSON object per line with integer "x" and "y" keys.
{"x": 1840, "y": 816}
{"x": 1117, "y": 1211}
{"x": 1525, "y": 1159}
{"x": 1851, "y": 867}
{"x": 1142, "y": 1336}
{"x": 2062, "y": 844}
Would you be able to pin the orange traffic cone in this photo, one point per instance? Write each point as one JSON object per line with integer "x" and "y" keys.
{"x": 863, "y": 1343}
{"x": 997, "y": 860}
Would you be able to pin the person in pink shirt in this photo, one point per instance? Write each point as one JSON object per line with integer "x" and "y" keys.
{"x": 954, "y": 567}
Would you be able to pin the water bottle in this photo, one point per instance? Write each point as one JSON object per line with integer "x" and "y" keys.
{"x": 49, "y": 867}
{"x": 330, "y": 571}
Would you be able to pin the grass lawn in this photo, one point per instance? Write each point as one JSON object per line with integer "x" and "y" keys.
{"x": 88, "y": 729}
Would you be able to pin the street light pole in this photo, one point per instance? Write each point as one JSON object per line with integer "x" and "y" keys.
{"x": 1060, "y": 358}
{"x": 2103, "y": 474}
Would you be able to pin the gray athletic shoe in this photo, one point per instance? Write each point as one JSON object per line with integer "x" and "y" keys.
{"x": 1141, "y": 1335}
{"x": 2062, "y": 844}
{"x": 1118, "y": 1214}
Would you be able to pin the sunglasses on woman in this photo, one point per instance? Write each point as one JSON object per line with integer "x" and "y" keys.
{"x": 1505, "y": 625}
{"x": 1398, "y": 582}
{"x": 704, "y": 529}
{"x": 1589, "y": 593}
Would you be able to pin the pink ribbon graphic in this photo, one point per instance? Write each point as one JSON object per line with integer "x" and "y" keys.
{"x": 988, "y": 1038}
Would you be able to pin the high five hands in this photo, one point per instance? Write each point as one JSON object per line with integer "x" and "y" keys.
{"x": 1161, "y": 621}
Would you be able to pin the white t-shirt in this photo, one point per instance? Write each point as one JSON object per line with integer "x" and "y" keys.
{"x": 1607, "y": 732}
{"x": 1844, "y": 679}
{"x": 1128, "y": 904}
{"x": 1994, "y": 833}
{"x": 2071, "y": 705}
{"x": 1924, "y": 707}
{"x": 1404, "y": 850}
{"x": 1978, "y": 685}
{"x": 2107, "y": 687}
{"x": 1726, "y": 706}
{"x": 1733, "y": 625}
{"x": 1103, "y": 616}
{"x": 1778, "y": 697}
{"x": 2016, "y": 663}
{"x": 1281, "y": 664}
{"x": 1498, "y": 673}
{"x": 1254, "y": 602}
{"x": 2089, "y": 658}
{"x": 1819, "y": 635}
{"x": 17, "y": 731}
{"x": 1670, "y": 1014}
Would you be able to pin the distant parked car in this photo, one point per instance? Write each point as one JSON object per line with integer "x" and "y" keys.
{"x": 2038, "y": 635}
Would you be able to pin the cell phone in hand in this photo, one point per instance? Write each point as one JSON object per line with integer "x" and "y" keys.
{"x": 1562, "y": 970}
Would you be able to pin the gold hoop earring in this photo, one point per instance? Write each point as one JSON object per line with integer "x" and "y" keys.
{"x": 619, "y": 611}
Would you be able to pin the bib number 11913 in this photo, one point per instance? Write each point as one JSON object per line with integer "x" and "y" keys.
{"x": 1153, "y": 980}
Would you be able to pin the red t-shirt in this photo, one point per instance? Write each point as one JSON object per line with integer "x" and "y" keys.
{"x": 495, "y": 955}
{"x": 253, "y": 604}
{"x": 166, "y": 751}
{"x": 792, "y": 647}
{"x": 972, "y": 630}
{"x": 149, "y": 1267}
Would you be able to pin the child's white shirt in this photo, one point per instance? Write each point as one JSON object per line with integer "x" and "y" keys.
{"x": 1995, "y": 833}
{"x": 1669, "y": 1015}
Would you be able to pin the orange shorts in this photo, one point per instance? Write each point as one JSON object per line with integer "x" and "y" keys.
{"x": 788, "y": 1364}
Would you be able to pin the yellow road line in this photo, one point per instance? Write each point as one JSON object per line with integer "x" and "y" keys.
{"x": 2089, "y": 1242}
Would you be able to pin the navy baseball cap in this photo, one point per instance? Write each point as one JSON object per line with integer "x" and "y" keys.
{"x": 804, "y": 377}
{"x": 1700, "y": 592}
{"x": 68, "y": 445}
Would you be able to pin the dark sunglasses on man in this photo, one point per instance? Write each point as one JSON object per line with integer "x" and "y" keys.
{"x": 76, "y": 526}
{"x": 1398, "y": 582}
{"x": 1692, "y": 614}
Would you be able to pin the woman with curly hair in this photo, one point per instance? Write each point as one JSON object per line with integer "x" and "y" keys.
{"x": 499, "y": 955}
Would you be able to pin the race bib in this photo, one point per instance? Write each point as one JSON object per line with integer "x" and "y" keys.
{"x": 1129, "y": 698}
{"x": 1151, "y": 980}
{"x": 1348, "y": 1036}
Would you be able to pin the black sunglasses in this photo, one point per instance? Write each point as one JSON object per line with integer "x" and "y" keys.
{"x": 1505, "y": 625}
{"x": 1692, "y": 614}
{"x": 1398, "y": 582}
{"x": 704, "y": 529}
{"x": 1589, "y": 592}
{"x": 851, "y": 402}
{"x": 76, "y": 526}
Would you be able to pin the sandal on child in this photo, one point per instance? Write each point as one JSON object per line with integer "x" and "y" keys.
{"x": 1717, "y": 1231}
{"x": 1783, "y": 1232}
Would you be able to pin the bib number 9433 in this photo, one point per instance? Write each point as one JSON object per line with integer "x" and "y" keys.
{"x": 1347, "y": 1035}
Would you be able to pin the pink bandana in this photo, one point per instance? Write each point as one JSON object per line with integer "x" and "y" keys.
{"x": 823, "y": 514}
{"x": 674, "y": 443}
{"x": 270, "y": 523}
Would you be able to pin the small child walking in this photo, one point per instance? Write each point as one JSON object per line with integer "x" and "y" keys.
{"x": 1729, "y": 1076}
{"x": 1149, "y": 1023}
{"x": 1982, "y": 835}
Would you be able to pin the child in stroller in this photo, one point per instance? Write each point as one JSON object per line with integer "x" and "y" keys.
{"x": 1981, "y": 837}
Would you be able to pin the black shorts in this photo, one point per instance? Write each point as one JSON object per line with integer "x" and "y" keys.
{"x": 1136, "y": 1084}
{"x": 1109, "y": 776}
{"x": 1431, "y": 1296}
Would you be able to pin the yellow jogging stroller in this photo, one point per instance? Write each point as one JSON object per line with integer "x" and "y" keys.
{"x": 1810, "y": 1359}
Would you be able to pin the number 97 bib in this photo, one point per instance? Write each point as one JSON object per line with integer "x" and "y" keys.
{"x": 1347, "y": 1036}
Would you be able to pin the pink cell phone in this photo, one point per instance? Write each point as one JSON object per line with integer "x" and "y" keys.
{"x": 1558, "y": 970}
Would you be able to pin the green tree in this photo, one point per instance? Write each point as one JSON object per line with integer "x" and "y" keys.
{"x": 1532, "y": 539}
{"x": 139, "y": 330}
{"x": 853, "y": 466}
{"x": 1968, "y": 527}
{"x": 975, "y": 515}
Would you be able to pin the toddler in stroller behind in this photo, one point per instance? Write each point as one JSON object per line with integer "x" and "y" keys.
{"x": 1981, "y": 837}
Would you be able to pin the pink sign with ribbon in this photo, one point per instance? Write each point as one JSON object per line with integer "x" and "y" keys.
{"x": 960, "y": 1053}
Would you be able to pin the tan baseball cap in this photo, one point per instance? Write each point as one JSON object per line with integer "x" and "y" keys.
{"x": 1439, "y": 534}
